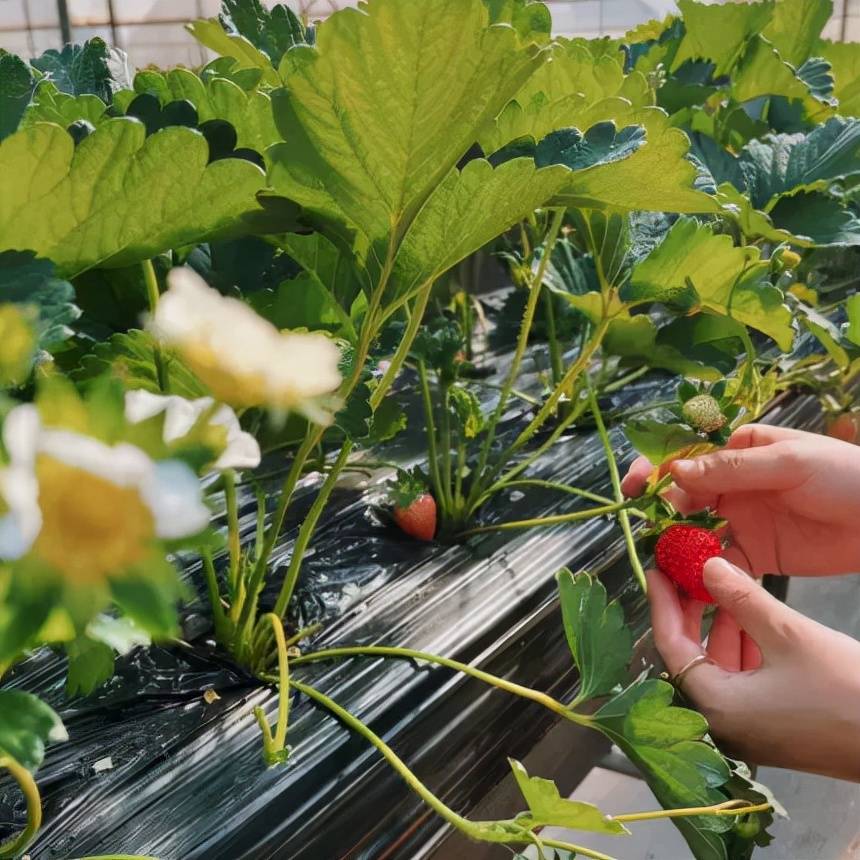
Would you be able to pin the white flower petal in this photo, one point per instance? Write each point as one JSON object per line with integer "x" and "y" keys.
{"x": 243, "y": 450}
{"x": 21, "y": 433}
{"x": 172, "y": 493}
{"x": 123, "y": 464}
{"x": 21, "y": 523}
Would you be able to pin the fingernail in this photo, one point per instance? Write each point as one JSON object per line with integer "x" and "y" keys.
{"x": 686, "y": 468}
{"x": 719, "y": 568}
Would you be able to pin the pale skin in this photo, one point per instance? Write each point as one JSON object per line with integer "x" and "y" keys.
{"x": 782, "y": 689}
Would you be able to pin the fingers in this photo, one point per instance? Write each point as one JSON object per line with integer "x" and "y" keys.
{"x": 636, "y": 479}
{"x": 725, "y": 643}
{"x": 755, "y": 611}
{"x": 772, "y": 467}
{"x": 759, "y": 435}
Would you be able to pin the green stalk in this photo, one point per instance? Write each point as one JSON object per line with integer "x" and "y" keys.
{"x": 625, "y": 380}
{"x": 561, "y": 488}
{"x": 554, "y": 346}
{"x": 445, "y": 440}
{"x": 229, "y": 477}
{"x": 218, "y": 614}
{"x": 535, "y": 290}
{"x": 491, "y": 831}
{"x": 307, "y": 529}
{"x": 433, "y": 461}
{"x": 274, "y": 746}
{"x": 153, "y": 294}
{"x": 555, "y": 519}
{"x": 408, "y": 653}
{"x": 17, "y": 845}
{"x": 615, "y": 477}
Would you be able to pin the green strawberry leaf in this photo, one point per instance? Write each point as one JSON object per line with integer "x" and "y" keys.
{"x": 844, "y": 59}
{"x": 16, "y": 89}
{"x": 693, "y": 267}
{"x": 389, "y": 419}
{"x": 30, "y": 593}
{"x": 52, "y": 105}
{"x": 468, "y": 411}
{"x": 658, "y": 441}
{"x": 118, "y": 197}
{"x": 274, "y": 31}
{"x": 813, "y": 219}
{"x": 27, "y": 280}
{"x": 598, "y": 638}
{"x": 530, "y": 18}
{"x": 547, "y": 808}
{"x": 27, "y": 726}
{"x": 796, "y": 26}
{"x": 79, "y": 69}
{"x": 719, "y": 33}
{"x": 211, "y": 33}
{"x": 404, "y": 136}
{"x": 149, "y": 595}
{"x": 129, "y": 357}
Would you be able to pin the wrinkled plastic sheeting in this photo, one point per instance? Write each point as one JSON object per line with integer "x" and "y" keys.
{"x": 185, "y": 777}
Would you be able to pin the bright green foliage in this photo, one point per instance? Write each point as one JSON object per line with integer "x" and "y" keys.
{"x": 78, "y": 69}
{"x": 795, "y": 27}
{"x": 211, "y": 33}
{"x": 720, "y": 33}
{"x": 29, "y": 281}
{"x": 118, "y": 197}
{"x": 597, "y": 635}
{"x": 547, "y": 808}
{"x": 696, "y": 269}
{"x": 250, "y": 113}
{"x": 91, "y": 663}
{"x": 844, "y": 59}
{"x": 52, "y": 105}
{"x": 16, "y": 88}
{"x": 27, "y": 725}
{"x": 657, "y": 441}
{"x": 530, "y": 18}
{"x": 561, "y": 94}
{"x": 396, "y": 65}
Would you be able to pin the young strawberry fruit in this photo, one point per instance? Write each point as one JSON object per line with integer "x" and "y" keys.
{"x": 704, "y": 413}
{"x": 681, "y": 553}
{"x": 418, "y": 518}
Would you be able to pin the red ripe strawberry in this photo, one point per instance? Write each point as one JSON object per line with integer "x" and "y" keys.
{"x": 418, "y": 519}
{"x": 681, "y": 554}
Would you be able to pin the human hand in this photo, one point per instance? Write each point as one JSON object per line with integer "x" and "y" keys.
{"x": 791, "y": 499}
{"x": 785, "y": 693}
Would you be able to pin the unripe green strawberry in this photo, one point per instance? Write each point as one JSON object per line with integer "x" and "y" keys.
{"x": 704, "y": 413}
{"x": 681, "y": 553}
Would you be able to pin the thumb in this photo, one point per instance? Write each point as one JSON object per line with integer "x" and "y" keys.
{"x": 755, "y": 611}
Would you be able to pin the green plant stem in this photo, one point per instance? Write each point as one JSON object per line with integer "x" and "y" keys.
{"x": 17, "y": 845}
{"x": 554, "y": 347}
{"x": 218, "y": 614}
{"x": 619, "y": 383}
{"x": 229, "y": 477}
{"x": 408, "y": 653}
{"x": 535, "y": 289}
{"x": 730, "y": 807}
{"x": 555, "y": 519}
{"x": 615, "y": 477}
{"x": 481, "y": 831}
{"x": 433, "y": 457}
{"x": 307, "y": 529}
{"x": 445, "y": 441}
{"x": 520, "y": 395}
{"x": 274, "y": 745}
{"x": 304, "y": 633}
{"x": 152, "y": 295}
{"x": 561, "y": 488}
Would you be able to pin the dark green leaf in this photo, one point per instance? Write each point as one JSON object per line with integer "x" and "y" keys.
{"x": 547, "y": 808}
{"x": 657, "y": 441}
{"x": 601, "y": 144}
{"x": 27, "y": 725}
{"x": 27, "y": 280}
{"x": 598, "y": 638}
{"x": 79, "y": 69}
{"x": 149, "y": 595}
{"x": 817, "y": 219}
{"x": 16, "y": 89}
{"x": 388, "y": 420}
{"x": 273, "y": 31}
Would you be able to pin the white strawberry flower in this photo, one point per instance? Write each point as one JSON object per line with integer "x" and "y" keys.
{"x": 242, "y": 450}
{"x": 241, "y": 357}
{"x": 86, "y": 509}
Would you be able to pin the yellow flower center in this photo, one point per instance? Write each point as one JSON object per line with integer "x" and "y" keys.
{"x": 91, "y": 528}
{"x": 239, "y": 390}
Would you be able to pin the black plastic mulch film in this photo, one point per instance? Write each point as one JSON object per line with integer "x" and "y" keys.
{"x": 151, "y": 768}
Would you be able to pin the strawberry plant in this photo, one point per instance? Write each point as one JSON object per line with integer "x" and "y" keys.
{"x": 267, "y": 258}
